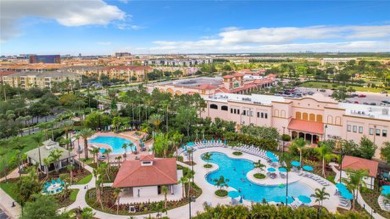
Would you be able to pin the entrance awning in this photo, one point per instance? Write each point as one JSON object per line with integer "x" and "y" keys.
{"x": 306, "y": 126}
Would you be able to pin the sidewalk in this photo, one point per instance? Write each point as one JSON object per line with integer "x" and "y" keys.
{"x": 6, "y": 205}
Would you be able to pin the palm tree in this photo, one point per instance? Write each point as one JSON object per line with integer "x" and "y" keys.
{"x": 300, "y": 143}
{"x": 94, "y": 151}
{"x": 207, "y": 157}
{"x": 107, "y": 153}
{"x": 320, "y": 195}
{"x": 156, "y": 120}
{"x": 131, "y": 145}
{"x": 176, "y": 140}
{"x": 86, "y": 133}
{"x": 55, "y": 156}
{"x": 124, "y": 146}
{"x": 325, "y": 154}
{"x": 118, "y": 159}
{"x": 184, "y": 180}
{"x": 70, "y": 168}
{"x": 47, "y": 161}
{"x": 355, "y": 181}
{"x": 221, "y": 182}
{"x": 117, "y": 192}
{"x": 164, "y": 190}
{"x": 259, "y": 165}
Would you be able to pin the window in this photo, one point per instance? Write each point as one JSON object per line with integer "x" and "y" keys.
{"x": 213, "y": 106}
{"x": 348, "y": 128}
{"x": 224, "y": 108}
{"x": 262, "y": 115}
{"x": 238, "y": 111}
{"x": 371, "y": 132}
{"x": 265, "y": 115}
{"x": 231, "y": 110}
{"x": 378, "y": 132}
{"x": 244, "y": 112}
{"x": 355, "y": 128}
{"x": 235, "y": 111}
{"x": 384, "y": 133}
{"x": 360, "y": 129}
{"x": 258, "y": 115}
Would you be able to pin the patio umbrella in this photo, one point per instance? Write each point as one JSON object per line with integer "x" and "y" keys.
{"x": 308, "y": 168}
{"x": 385, "y": 190}
{"x": 304, "y": 199}
{"x": 233, "y": 194}
{"x": 271, "y": 169}
{"x": 296, "y": 163}
{"x": 282, "y": 169}
{"x": 344, "y": 192}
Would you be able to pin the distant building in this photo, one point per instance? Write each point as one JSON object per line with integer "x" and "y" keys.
{"x": 45, "y": 59}
{"x": 335, "y": 61}
{"x": 46, "y": 79}
{"x": 122, "y": 54}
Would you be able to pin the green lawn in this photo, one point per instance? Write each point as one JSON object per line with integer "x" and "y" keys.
{"x": 325, "y": 85}
{"x": 85, "y": 180}
{"x": 9, "y": 151}
{"x": 10, "y": 188}
{"x": 73, "y": 195}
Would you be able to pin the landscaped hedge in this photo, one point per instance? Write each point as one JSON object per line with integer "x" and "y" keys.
{"x": 237, "y": 153}
{"x": 259, "y": 176}
{"x": 266, "y": 144}
{"x": 221, "y": 193}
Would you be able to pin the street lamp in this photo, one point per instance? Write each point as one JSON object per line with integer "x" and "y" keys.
{"x": 326, "y": 126}
{"x": 341, "y": 149}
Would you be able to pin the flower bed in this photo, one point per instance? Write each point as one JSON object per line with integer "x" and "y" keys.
{"x": 259, "y": 176}
{"x": 371, "y": 198}
{"x": 237, "y": 153}
{"x": 221, "y": 193}
{"x": 207, "y": 165}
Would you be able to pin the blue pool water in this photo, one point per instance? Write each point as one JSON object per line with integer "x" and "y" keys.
{"x": 116, "y": 143}
{"x": 236, "y": 169}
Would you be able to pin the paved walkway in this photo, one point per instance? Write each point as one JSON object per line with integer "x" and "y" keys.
{"x": 6, "y": 205}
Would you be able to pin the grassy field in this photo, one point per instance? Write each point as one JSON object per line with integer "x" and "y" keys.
{"x": 73, "y": 195}
{"x": 8, "y": 149}
{"x": 325, "y": 85}
{"x": 10, "y": 188}
{"x": 85, "y": 180}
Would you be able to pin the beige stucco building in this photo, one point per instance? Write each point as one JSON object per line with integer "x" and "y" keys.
{"x": 314, "y": 117}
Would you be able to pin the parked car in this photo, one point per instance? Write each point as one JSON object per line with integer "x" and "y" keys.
{"x": 362, "y": 95}
{"x": 356, "y": 102}
{"x": 373, "y": 104}
{"x": 323, "y": 90}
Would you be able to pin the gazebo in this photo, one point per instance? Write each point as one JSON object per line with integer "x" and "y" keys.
{"x": 38, "y": 155}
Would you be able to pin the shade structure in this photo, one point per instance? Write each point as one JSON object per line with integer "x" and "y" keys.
{"x": 233, "y": 194}
{"x": 270, "y": 155}
{"x": 385, "y": 190}
{"x": 282, "y": 169}
{"x": 271, "y": 169}
{"x": 274, "y": 160}
{"x": 344, "y": 192}
{"x": 296, "y": 163}
{"x": 308, "y": 168}
{"x": 283, "y": 199}
{"x": 304, "y": 199}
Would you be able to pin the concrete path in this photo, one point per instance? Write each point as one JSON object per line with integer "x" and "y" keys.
{"x": 6, "y": 204}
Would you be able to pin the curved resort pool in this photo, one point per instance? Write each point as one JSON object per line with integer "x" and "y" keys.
{"x": 236, "y": 169}
{"x": 116, "y": 143}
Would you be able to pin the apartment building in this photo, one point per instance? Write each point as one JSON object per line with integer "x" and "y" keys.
{"x": 45, "y": 79}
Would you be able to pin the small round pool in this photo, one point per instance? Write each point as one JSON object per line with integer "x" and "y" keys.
{"x": 236, "y": 169}
{"x": 116, "y": 143}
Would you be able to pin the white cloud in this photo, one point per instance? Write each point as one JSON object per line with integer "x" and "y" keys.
{"x": 287, "y": 39}
{"x": 107, "y": 43}
{"x": 67, "y": 13}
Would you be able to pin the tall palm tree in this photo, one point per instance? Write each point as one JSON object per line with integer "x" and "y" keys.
{"x": 184, "y": 180}
{"x": 117, "y": 192}
{"x": 355, "y": 182}
{"x": 325, "y": 154}
{"x": 70, "y": 168}
{"x": 156, "y": 120}
{"x": 300, "y": 143}
{"x": 118, "y": 159}
{"x": 164, "y": 190}
{"x": 94, "y": 151}
{"x": 124, "y": 146}
{"x": 221, "y": 182}
{"x": 259, "y": 165}
{"x": 55, "y": 156}
{"x": 207, "y": 157}
{"x": 107, "y": 152}
{"x": 320, "y": 195}
{"x": 85, "y": 134}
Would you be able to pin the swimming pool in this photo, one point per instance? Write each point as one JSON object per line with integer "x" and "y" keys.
{"x": 236, "y": 169}
{"x": 116, "y": 143}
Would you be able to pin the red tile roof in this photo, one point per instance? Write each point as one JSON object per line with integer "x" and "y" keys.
{"x": 147, "y": 157}
{"x": 357, "y": 163}
{"x": 228, "y": 76}
{"x": 238, "y": 74}
{"x": 206, "y": 87}
{"x": 132, "y": 173}
{"x": 306, "y": 126}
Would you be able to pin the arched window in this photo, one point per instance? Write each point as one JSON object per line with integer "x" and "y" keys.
{"x": 319, "y": 118}
{"x": 276, "y": 113}
{"x": 338, "y": 120}
{"x": 283, "y": 113}
{"x": 312, "y": 117}
{"x": 213, "y": 106}
{"x": 329, "y": 120}
{"x": 298, "y": 115}
{"x": 224, "y": 108}
{"x": 305, "y": 116}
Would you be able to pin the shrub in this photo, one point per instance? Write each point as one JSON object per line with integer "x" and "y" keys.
{"x": 259, "y": 176}
{"x": 207, "y": 165}
{"x": 237, "y": 153}
{"x": 221, "y": 193}
{"x": 286, "y": 137}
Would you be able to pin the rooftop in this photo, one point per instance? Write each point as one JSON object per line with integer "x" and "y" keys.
{"x": 357, "y": 163}
{"x": 44, "y": 151}
{"x": 366, "y": 111}
{"x": 132, "y": 173}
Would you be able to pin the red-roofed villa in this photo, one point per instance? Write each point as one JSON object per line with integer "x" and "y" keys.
{"x": 357, "y": 163}
{"x": 142, "y": 180}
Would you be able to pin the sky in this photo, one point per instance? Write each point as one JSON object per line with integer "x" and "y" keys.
{"x": 103, "y": 27}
